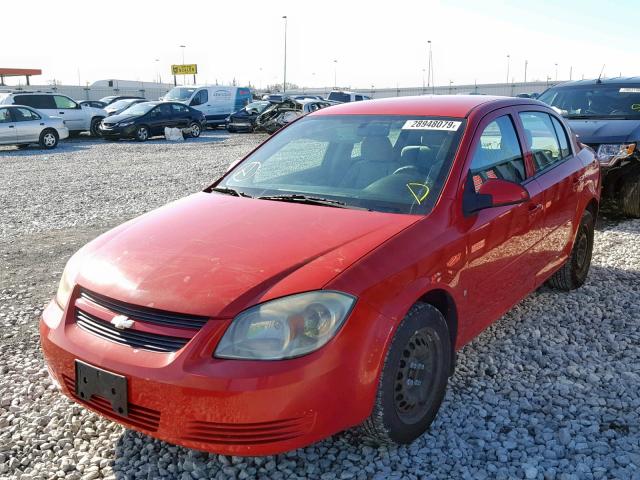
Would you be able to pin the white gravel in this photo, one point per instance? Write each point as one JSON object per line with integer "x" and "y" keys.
{"x": 550, "y": 391}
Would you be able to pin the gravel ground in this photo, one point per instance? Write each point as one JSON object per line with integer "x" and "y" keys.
{"x": 552, "y": 390}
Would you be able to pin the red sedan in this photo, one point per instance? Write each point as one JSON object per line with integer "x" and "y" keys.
{"x": 327, "y": 279}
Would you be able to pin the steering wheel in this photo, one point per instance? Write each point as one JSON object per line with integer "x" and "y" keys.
{"x": 407, "y": 170}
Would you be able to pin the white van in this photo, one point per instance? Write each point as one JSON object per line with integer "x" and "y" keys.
{"x": 344, "y": 96}
{"x": 215, "y": 101}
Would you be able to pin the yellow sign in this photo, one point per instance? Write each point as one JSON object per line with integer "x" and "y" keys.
{"x": 184, "y": 69}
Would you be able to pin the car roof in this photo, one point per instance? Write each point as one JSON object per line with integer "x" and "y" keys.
{"x": 602, "y": 81}
{"x": 458, "y": 106}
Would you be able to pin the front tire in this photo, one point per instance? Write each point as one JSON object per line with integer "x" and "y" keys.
{"x": 94, "y": 128}
{"x": 630, "y": 196}
{"x": 142, "y": 133}
{"x": 48, "y": 139}
{"x": 574, "y": 272}
{"x": 414, "y": 378}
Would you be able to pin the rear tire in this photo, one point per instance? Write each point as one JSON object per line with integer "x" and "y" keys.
{"x": 94, "y": 129}
{"x": 413, "y": 380}
{"x": 574, "y": 272}
{"x": 195, "y": 130}
{"x": 630, "y": 196}
{"x": 48, "y": 139}
{"x": 142, "y": 134}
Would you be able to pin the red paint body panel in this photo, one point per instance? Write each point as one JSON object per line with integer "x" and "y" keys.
{"x": 215, "y": 255}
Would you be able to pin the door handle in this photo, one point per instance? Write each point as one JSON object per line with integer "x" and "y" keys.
{"x": 535, "y": 208}
{"x": 42, "y": 124}
{"x": 11, "y": 126}
{"x": 61, "y": 113}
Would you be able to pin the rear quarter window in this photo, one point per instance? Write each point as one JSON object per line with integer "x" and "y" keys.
{"x": 35, "y": 101}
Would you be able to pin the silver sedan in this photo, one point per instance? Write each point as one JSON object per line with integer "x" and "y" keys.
{"x": 21, "y": 126}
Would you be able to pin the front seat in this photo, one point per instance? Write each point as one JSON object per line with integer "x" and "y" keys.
{"x": 377, "y": 162}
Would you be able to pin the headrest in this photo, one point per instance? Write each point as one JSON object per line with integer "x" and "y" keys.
{"x": 377, "y": 149}
{"x": 416, "y": 155}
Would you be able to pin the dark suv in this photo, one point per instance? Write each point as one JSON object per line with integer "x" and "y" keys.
{"x": 605, "y": 114}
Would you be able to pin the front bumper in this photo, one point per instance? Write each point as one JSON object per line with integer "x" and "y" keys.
{"x": 232, "y": 407}
{"x": 116, "y": 132}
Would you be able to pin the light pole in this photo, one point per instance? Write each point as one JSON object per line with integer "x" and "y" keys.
{"x": 423, "y": 81}
{"x": 429, "y": 74}
{"x": 450, "y": 84}
{"x": 159, "y": 77}
{"x": 184, "y": 77}
{"x": 284, "y": 81}
{"x": 508, "y": 65}
{"x": 526, "y": 64}
{"x": 335, "y": 74}
{"x": 556, "y": 72}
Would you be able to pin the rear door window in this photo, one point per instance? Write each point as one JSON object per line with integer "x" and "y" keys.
{"x": 498, "y": 154}
{"x": 561, "y": 133}
{"x": 541, "y": 139}
{"x": 25, "y": 115}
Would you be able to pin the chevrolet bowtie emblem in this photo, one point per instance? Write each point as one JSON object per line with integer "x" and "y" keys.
{"x": 122, "y": 322}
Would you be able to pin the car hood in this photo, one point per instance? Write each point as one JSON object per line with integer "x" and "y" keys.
{"x": 215, "y": 255}
{"x": 606, "y": 131}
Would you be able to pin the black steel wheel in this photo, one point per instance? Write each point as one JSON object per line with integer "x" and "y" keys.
{"x": 574, "y": 272}
{"x": 414, "y": 378}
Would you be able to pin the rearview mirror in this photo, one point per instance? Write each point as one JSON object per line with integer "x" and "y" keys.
{"x": 493, "y": 193}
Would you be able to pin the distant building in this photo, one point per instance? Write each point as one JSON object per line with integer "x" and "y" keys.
{"x": 128, "y": 84}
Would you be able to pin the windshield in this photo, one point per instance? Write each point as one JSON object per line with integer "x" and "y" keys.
{"x": 257, "y": 106}
{"x": 139, "y": 109}
{"x": 339, "y": 97}
{"x": 384, "y": 163}
{"x": 595, "y": 101}
{"x": 180, "y": 93}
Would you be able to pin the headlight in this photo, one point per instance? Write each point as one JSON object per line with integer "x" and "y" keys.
{"x": 67, "y": 281}
{"x": 609, "y": 153}
{"x": 125, "y": 124}
{"x": 286, "y": 327}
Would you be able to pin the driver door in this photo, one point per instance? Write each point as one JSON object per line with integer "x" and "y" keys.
{"x": 499, "y": 269}
{"x": 72, "y": 113}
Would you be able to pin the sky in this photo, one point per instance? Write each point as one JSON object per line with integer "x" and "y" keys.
{"x": 380, "y": 44}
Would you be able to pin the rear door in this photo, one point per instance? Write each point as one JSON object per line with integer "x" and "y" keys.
{"x": 559, "y": 173}
{"x": 28, "y": 124}
{"x": 8, "y": 134}
{"x": 499, "y": 271}
{"x": 181, "y": 115}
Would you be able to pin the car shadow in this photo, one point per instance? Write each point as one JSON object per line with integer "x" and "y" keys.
{"x": 63, "y": 147}
{"x": 491, "y": 404}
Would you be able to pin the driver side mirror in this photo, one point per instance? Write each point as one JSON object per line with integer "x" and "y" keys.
{"x": 493, "y": 193}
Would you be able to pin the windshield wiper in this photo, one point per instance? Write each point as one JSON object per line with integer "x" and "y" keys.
{"x": 299, "y": 198}
{"x": 230, "y": 191}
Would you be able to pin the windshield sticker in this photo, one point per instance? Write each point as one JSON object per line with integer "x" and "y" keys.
{"x": 635, "y": 106}
{"x": 246, "y": 171}
{"x": 447, "y": 125}
{"x": 629, "y": 90}
{"x": 420, "y": 191}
